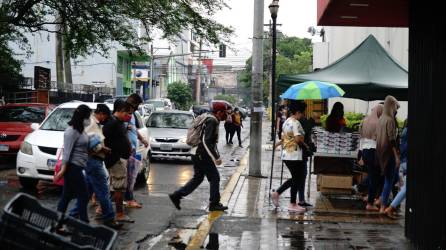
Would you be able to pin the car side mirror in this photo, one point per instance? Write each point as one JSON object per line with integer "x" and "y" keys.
{"x": 35, "y": 126}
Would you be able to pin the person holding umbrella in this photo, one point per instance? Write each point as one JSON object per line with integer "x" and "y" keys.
{"x": 292, "y": 141}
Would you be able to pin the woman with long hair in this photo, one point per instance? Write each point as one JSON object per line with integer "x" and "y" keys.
{"x": 292, "y": 141}
{"x": 335, "y": 121}
{"x": 368, "y": 148}
{"x": 74, "y": 160}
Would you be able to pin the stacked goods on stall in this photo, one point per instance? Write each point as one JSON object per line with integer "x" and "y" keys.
{"x": 334, "y": 160}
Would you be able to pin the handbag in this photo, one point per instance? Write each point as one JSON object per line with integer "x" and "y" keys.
{"x": 57, "y": 169}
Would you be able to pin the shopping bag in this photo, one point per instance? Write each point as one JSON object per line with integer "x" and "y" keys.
{"x": 57, "y": 169}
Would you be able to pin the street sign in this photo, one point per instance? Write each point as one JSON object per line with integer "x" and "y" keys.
{"x": 42, "y": 78}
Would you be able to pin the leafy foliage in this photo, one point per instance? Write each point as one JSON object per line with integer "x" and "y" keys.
{"x": 92, "y": 26}
{"x": 96, "y": 26}
{"x": 294, "y": 56}
{"x": 181, "y": 94}
{"x": 229, "y": 98}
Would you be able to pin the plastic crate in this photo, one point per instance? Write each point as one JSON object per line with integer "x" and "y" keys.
{"x": 26, "y": 224}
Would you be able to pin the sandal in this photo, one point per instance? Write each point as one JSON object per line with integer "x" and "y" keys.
{"x": 125, "y": 219}
{"x": 133, "y": 204}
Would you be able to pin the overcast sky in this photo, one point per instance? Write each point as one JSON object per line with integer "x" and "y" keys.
{"x": 294, "y": 15}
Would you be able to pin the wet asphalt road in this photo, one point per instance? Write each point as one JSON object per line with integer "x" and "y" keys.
{"x": 157, "y": 214}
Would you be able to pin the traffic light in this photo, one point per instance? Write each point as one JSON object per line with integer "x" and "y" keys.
{"x": 222, "y": 50}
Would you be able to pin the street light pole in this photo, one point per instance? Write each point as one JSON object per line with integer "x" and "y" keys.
{"x": 255, "y": 148}
{"x": 274, "y": 9}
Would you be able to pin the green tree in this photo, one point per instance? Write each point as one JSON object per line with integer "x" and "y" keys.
{"x": 294, "y": 56}
{"x": 229, "y": 98}
{"x": 181, "y": 94}
{"x": 96, "y": 26}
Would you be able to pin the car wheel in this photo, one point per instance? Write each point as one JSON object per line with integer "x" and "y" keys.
{"x": 28, "y": 183}
{"x": 143, "y": 176}
{"x": 151, "y": 158}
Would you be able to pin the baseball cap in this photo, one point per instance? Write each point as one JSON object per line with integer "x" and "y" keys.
{"x": 220, "y": 106}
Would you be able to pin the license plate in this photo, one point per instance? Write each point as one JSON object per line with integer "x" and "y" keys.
{"x": 51, "y": 164}
{"x": 166, "y": 147}
{"x": 4, "y": 148}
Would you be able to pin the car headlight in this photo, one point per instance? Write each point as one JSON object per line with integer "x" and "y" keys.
{"x": 26, "y": 148}
{"x": 152, "y": 139}
{"x": 183, "y": 140}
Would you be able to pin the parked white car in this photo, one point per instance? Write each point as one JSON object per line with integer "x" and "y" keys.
{"x": 167, "y": 132}
{"x": 37, "y": 156}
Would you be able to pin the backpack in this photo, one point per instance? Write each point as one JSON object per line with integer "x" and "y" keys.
{"x": 195, "y": 131}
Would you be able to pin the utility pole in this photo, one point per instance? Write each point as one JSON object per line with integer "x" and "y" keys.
{"x": 255, "y": 148}
{"x": 198, "y": 80}
{"x": 59, "y": 57}
{"x": 151, "y": 72}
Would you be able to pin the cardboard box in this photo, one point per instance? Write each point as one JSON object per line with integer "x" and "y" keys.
{"x": 336, "y": 181}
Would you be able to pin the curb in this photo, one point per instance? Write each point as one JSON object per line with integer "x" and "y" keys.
{"x": 205, "y": 226}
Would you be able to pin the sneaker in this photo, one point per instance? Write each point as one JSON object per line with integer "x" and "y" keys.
{"x": 175, "y": 200}
{"x": 240, "y": 145}
{"x": 113, "y": 224}
{"x": 293, "y": 207}
{"x": 217, "y": 207}
{"x": 304, "y": 204}
{"x": 275, "y": 198}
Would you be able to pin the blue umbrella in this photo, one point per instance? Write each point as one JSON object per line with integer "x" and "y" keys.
{"x": 315, "y": 90}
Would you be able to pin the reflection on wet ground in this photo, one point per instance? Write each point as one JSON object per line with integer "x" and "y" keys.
{"x": 260, "y": 233}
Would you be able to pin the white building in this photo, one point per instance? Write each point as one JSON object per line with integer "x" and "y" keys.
{"x": 341, "y": 40}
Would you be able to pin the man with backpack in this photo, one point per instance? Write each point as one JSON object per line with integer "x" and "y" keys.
{"x": 203, "y": 137}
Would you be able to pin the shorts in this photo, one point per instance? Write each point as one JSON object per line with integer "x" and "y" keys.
{"x": 118, "y": 176}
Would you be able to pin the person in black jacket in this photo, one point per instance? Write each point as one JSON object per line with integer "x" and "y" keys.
{"x": 115, "y": 133}
{"x": 205, "y": 159}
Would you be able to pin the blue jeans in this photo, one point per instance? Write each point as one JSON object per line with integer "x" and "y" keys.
{"x": 389, "y": 177}
{"x": 368, "y": 156}
{"x": 399, "y": 197}
{"x": 131, "y": 179}
{"x": 74, "y": 187}
{"x": 97, "y": 183}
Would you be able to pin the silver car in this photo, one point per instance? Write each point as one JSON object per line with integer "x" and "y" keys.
{"x": 167, "y": 132}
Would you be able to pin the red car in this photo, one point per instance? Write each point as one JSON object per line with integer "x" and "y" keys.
{"x": 15, "y": 123}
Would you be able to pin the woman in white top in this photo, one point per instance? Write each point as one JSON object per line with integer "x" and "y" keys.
{"x": 368, "y": 148}
{"x": 292, "y": 139}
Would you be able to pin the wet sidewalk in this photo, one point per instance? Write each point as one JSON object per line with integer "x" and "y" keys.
{"x": 333, "y": 222}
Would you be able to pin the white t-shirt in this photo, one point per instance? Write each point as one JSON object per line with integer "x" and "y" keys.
{"x": 292, "y": 125}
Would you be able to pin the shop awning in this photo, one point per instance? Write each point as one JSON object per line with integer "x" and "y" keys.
{"x": 368, "y": 72}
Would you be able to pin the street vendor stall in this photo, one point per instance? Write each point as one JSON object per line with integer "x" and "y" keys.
{"x": 334, "y": 160}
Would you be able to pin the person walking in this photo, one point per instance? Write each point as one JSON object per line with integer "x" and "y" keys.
{"x": 133, "y": 134}
{"x": 281, "y": 117}
{"x": 205, "y": 158}
{"x": 308, "y": 148}
{"x": 116, "y": 139}
{"x": 74, "y": 161}
{"x": 387, "y": 148}
{"x": 229, "y": 127}
{"x": 367, "y": 143}
{"x": 292, "y": 139}
{"x": 391, "y": 210}
{"x": 95, "y": 173}
{"x": 237, "y": 124}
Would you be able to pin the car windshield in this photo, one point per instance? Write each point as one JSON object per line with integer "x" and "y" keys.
{"x": 58, "y": 120}
{"x": 156, "y": 104}
{"x": 170, "y": 120}
{"x": 22, "y": 114}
